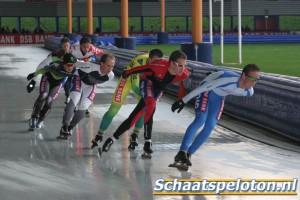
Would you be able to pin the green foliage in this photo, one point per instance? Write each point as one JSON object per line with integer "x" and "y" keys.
{"x": 287, "y": 23}
{"x": 28, "y": 23}
{"x": 10, "y": 22}
{"x": 47, "y": 24}
{"x": 110, "y": 24}
{"x": 63, "y": 24}
{"x": 271, "y": 58}
{"x": 153, "y": 22}
{"x": 134, "y": 22}
{"x": 172, "y": 23}
{"x": 247, "y": 21}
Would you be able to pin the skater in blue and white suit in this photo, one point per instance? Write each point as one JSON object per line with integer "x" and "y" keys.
{"x": 210, "y": 96}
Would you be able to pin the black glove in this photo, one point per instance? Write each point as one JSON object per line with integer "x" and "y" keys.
{"x": 31, "y": 86}
{"x": 124, "y": 75}
{"x": 178, "y": 105}
{"x": 30, "y": 76}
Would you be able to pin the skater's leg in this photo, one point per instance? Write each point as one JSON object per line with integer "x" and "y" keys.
{"x": 75, "y": 96}
{"x": 131, "y": 120}
{"x": 69, "y": 110}
{"x": 78, "y": 116}
{"x": 105, "y": 122}
{"x": 150, "y": 97}
{"x": 135, "y": 87}
{"x": 121, "y": 92}
{"x": 126, "y": 125}
{"x": 136, "y": 131}
{"x": 148, "y": 135}
{"x": 148, "y": 127}
{"x": 192, "y": 130}
{"x": 138, "y": 125}
{"x": 44, "y": 91}
{"x": 201, "y": 111}
{"x": 38, "y": 104}
{"x": 150, "y": 107}
{"x": 67, "y": 87}
{"x": 108, "y": 116}
{"x": 214, "y": 113}
{"x": 87, "y": 97}
{"x": 53, "y": 93}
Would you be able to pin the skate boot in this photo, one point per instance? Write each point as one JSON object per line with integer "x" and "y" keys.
{"x": 182, "y": 158}
{"x": 106, "y": 146}
{"x": 96, "y": 141}
{"x": 67, "y": 100}
{"x": 70, "y": 129}
{"x": 32, "y": 124}
{"x": 87, "y": 114}
{"x": 182, "y": 162}
{"x": 64, "y": 133}
{"x": 39, "y": 123}
{"x": 189, "y": 156}
{"x": 147, "y": 150}
{"x": 133, "y": 142}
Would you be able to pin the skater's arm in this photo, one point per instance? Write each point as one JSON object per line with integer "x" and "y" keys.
{"x": 94, "y": 77}
{"x": 209, "y": 83}
{"x": 140, "y": 69}
{"x": 42, "y": 71}
{"x": 97, "y": 51}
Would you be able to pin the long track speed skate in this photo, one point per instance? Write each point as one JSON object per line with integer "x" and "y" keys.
{"x": 147, "y": 150}
{"x": 133, "y": 142}
{"x": 95, "y": 142}
{"x": 106, "y": 146}
{"x": 32, "y": 124}
{"x": 64, "y": 133}
{"x": 182, "y": 161}
{"x": 180, "y": 166}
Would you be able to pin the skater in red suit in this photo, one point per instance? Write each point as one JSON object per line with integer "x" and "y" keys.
{"x": 156, "y": 76}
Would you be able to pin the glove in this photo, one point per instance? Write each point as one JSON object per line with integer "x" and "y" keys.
{"x": 31, "y": 86}
{"x": 124, "y": 75}
{"x": 30, "y": 76}
{"x": 178, "y": 105}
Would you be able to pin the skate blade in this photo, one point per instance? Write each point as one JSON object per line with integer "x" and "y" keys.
{"x": 62, "y": 137}
{"x": 94, "y": 145}
{"x": 146, "y": 156}
{"x": 180, "y": 166}
{"x": 130, "y": 148}
{"x": 30, "y": 129}
{"x": 100, "y": 151}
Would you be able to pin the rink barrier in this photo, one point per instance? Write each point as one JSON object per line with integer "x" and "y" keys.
{"x": 275, "y": 104}
{"x": 228, "y": 39}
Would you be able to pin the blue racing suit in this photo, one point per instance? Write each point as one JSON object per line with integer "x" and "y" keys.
{"x": 209, "y": 105}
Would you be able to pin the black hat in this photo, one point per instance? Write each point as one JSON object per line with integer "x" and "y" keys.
{"x": 69, "y": 58}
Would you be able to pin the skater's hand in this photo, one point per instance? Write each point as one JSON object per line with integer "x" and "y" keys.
{"x": 30, "y": 76}
{"x": 178, "y": 105}
{"x": 31, "y": 86}
{"x": 124, "y": 75}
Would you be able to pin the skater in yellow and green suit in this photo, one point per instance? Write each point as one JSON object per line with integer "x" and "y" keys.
{"x": 122, "y": 90}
